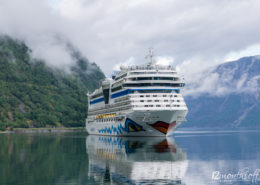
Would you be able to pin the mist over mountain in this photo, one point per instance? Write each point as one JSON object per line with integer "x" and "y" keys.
{"x": 232, "y": 99}
{"x": 34, "y": 94}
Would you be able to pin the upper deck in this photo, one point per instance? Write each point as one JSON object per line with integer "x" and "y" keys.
{"x": 149, "y": 76}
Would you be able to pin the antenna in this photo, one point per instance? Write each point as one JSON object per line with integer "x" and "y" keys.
{"x": 151, "y": 55}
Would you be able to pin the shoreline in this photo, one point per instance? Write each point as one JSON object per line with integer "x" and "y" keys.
{"x": 44, "y": 130}
{"x": 82, "y": 129}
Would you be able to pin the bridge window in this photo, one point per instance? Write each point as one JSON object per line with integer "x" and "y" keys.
{"x": 116, "y": 88}
{"x": 122, "y": 76}
{"x": 96, "y": 96}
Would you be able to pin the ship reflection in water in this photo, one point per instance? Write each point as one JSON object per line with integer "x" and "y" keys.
{"x": 117, "y": 160}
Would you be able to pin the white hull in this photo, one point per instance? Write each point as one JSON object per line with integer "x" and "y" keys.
{"x": 140, "y": 123}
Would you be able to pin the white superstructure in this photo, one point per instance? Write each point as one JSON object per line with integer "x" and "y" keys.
{"x": 140, "y": 100}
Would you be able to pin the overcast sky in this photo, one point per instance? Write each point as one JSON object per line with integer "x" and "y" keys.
{"x": 191, "y": 34}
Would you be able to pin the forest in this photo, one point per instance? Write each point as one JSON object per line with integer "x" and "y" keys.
{"x": 34, "y": 95}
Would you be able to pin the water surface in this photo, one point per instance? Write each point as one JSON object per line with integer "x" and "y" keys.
{"x": 205, "y": 157}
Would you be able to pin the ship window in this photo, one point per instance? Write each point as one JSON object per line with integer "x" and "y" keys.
{"x": 141, "y": 78}
{"x": 175, "y": 95}
{"x": 116, "y": 88}
{"x": 163, "y": 78}
{"x": 96, "y": 96}
{"x": 142, "y": 96}
{"x": 165, "y": 100}
{"x": 147, "y": 95}
{"x": 156, "y": 100}
{"x": 149, "y": 100}
{"x": 167, "y": 105}
{"x": 146, "y": 105}
{"x": 166, "y": 78}
{"x": 122, "y": 76}
{"x": 144, "y": 78}
{"x": 150, "y": 105}
{"x": 135, "y": 73}
{"x": 158, "y": 105}
{"x": 141, "y": 100}
{"x": 164, "y": 95}
{"x": 154, "y": 95}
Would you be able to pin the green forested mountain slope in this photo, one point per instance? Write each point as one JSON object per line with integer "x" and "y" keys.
{"x": 35, "y": 95}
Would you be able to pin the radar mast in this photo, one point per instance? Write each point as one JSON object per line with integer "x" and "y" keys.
{"x": 151, "y": 55}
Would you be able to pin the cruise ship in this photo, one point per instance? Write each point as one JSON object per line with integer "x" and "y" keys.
{"x": 140, "y": 100}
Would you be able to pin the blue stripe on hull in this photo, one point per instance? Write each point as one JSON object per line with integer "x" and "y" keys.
{"x": 97, "y": 101}
{"x": 129, "y": 91}
{"x": 125, "y": 92}
{"x": 122, "y": 93}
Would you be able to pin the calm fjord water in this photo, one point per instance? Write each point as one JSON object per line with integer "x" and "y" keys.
{"x": 75, "y": 158}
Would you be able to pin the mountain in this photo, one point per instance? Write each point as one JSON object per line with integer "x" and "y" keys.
{"x": 233, "y": 100}
{"x": 33, "y": 94}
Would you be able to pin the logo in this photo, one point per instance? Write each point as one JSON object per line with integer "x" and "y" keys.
{"x": 245, "y": 174}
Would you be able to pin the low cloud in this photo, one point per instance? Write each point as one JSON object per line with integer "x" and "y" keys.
{"x": 164, "y": 60}
{"x": 192, "y": 35}
{"x": 130, "y": 61}
{"x": 54, "y": 52}
{"x": 222, "y": 81}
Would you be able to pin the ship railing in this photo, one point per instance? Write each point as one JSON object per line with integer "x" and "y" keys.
{"x": 146, "y": 67}
{"x": 122, "y": 99}
{"x": 154, "y": 95}
{"x": 121, "y": 103}
{"x": 110, "y": 105}
{"x": 109, "y": 110}
{"x": 160, "y": 106}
